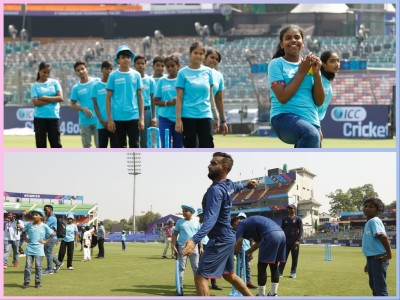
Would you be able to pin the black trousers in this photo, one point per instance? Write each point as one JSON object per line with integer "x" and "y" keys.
{"x": 100, "y": 244}
{"x": 104, "y": 136}
{"x": 124, "y": 129}
{"x": 294, "y": 250}
{"x": 69, "y": 246}
{"x": 198, "y": 133}
{"x": 47, "y": 128}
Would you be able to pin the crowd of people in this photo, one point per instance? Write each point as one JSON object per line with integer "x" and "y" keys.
{"x": 40, "y": 235}
{"x": 117, "y": 109}
{"x": 211, "y": 242}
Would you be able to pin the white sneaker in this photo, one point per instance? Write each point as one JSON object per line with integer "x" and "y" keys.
{"x": 70, "y": 268}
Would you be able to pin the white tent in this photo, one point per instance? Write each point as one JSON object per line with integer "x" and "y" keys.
{"x": 321, "y": 8}
{"x": 389, "y": 7}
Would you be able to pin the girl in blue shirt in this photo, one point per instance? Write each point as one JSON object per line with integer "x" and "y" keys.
{"x": 165, "y": 100}
{"x": 296, "y": 91}
{"x": 330, "y": 66}
{"x": 69, "y": 242}
{"x": 46, "y": 96}
{"x": 212, "y": 60}
{"x": 195, "y": 105}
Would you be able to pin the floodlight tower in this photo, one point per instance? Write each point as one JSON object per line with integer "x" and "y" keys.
{"x": 134, "y": 168}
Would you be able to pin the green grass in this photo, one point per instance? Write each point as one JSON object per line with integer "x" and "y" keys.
{"x": 140, "y": 271}
{"x": 228, "y": 141}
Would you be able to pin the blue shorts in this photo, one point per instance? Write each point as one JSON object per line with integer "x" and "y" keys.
{"x": 217, "y": 259}
{"x": 272, "y": 248}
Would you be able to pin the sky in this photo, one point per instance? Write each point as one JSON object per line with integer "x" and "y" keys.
{"x": 170, "y": 179}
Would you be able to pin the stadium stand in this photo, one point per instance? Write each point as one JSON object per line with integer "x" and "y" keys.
{"x": 373, "y": 85}
{"x": 137, "y": 237}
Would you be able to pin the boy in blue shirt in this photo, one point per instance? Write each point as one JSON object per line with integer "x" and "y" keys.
{"x": 185, "y": 229}
{"x": 99, "y": 93}
{"x": 149, "y": 87}
{"x": 376, "y": 247}
{"x": 124, "y": 101}
{"x": 36, "y": 235}
{"x": 81, "y": 101}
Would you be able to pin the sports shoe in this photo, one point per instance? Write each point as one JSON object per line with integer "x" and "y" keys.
{"x": 270, "y": 295}
{"x": 47, "y": 272}
{"x": 292, "y": 275}
{"x": 250, "y": 285}
{"x": 38, "y": 285}
{"x": 22, "y": 255}
{"x": 5, "y": 266}
{"x": 216, "y": 287}
{"x": 16, "y": 264}
{"x": 70, "y": 268}
{"x": 25, "y": 285}
{"x": 164, "y": 256}
{"x": 58, "y": 267}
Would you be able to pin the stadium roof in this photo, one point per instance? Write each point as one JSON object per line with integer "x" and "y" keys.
{"x": 59, "y": 209}
{"x": 336, "y": 8}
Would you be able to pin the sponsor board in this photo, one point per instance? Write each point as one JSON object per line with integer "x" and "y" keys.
{"x": 22, "y": 117}
{"x": 358, "y": 122}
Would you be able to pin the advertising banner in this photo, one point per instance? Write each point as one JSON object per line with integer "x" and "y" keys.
{"x": 358, "y": 122}
{"x": 22, "y": 117}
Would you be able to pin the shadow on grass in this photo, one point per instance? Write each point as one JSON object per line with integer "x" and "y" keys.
{"x": 156, "y": 290}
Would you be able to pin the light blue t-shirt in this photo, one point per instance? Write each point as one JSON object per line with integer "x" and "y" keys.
{"x": 123, "y": 237}
{"x": 205, "y": 240}
{"x": 166, "y": 91}
{"x": 71, "y": 229}
{"x": 301, "y": 103}
{"x": 157, "y": 80}
{"x": 196, "y": 85}
{"x": 328, "y": 96}
{"x": 124, "y": 100}
{"x": 218, "y": 79}
{"x": 149, "y": 87}
{"x": 52, "y": 223}
{"x": 186, "y": 229}
{"x": 35, "y": 234}
{"x": 99, "y": 93}
{"x": 82, "y": 93}
{"x": 371, "y": 244}
{"x": 48, "y": 88}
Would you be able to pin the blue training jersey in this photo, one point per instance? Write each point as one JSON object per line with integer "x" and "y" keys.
{"x": 328, "y": 97}
{"x": 302, "y": 102}
{"x": 256, "y": 227}
{"x": 217, "y": 206}
{"x": 186, "y": 229}
{"x": 218, "y": 79}
{"x": 99, "y": 93}
{"x": 48, "y": 88}
{"x": 36, "y": 233}
{"x": 71, "y": 229}
{"x": 196, "y": 84}
{"x": 82, "y": 92}
{"x": 166, "y": 91}
{"x": 52, "y": 223}
{"x": 124, "y": 100}
{"x": 371, "y": 243}
{"x": 149, "y": 87}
